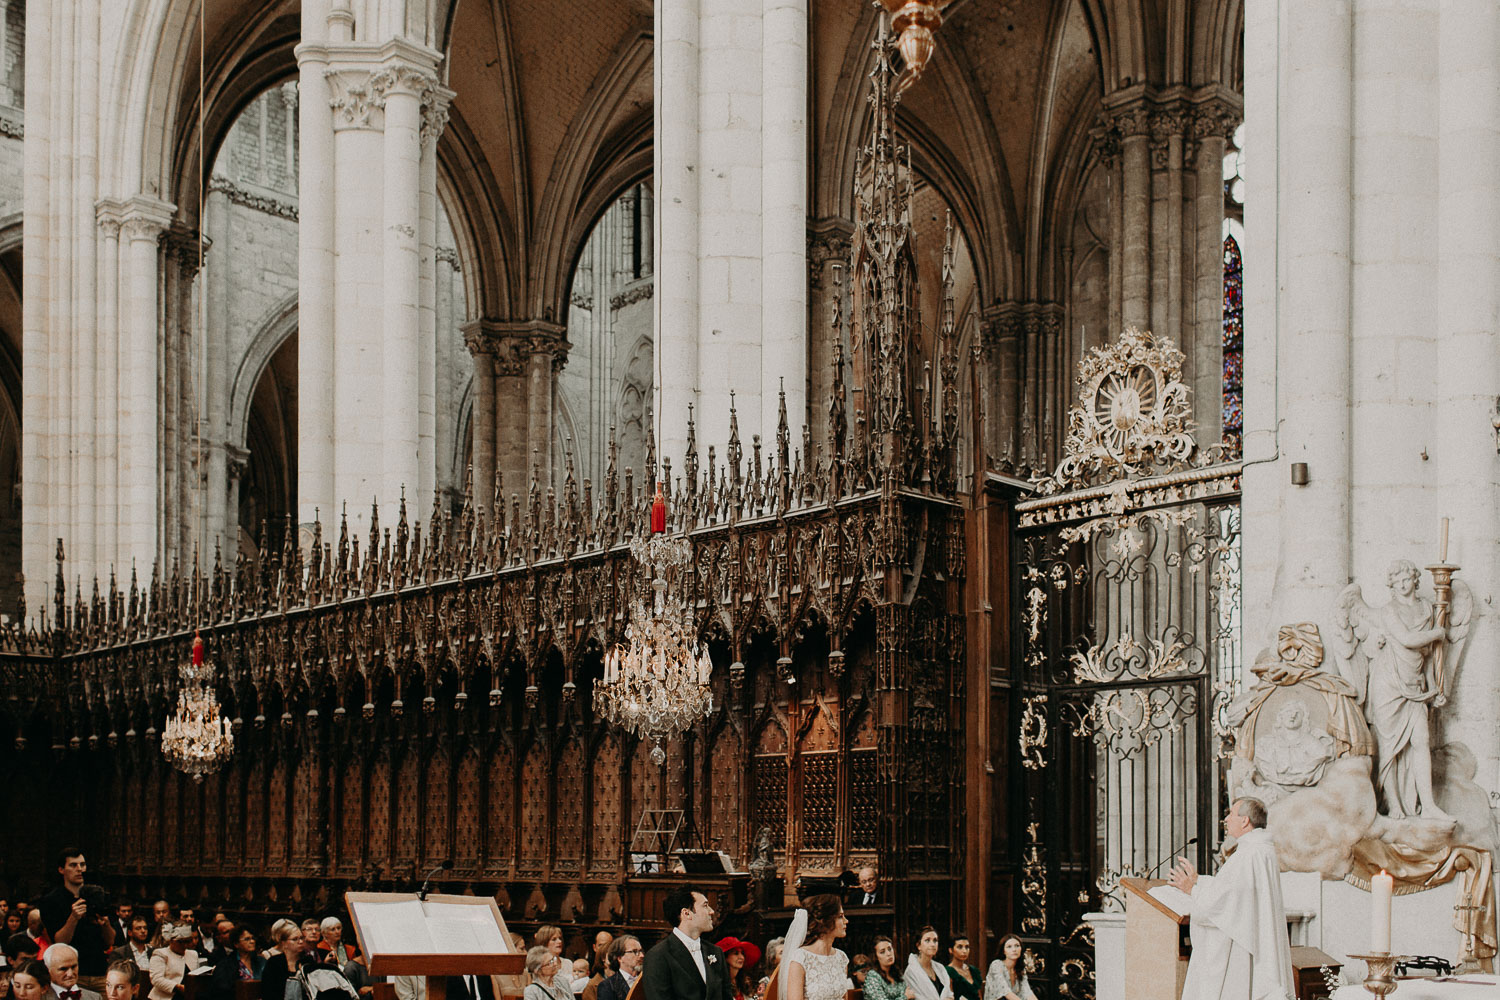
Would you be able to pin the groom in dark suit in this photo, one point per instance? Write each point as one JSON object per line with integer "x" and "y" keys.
{"x": 683, "y": 966}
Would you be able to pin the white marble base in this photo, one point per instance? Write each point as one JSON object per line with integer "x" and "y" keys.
{"x": 1109, "y": 954}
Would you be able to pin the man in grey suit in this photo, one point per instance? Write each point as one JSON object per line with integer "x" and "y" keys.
{"x": 62, "y": 965}
{"x": 683, "y": 966}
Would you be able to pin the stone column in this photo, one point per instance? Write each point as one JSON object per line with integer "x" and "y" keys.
{"x": 1135, "y": 205}
{"x": 675, "y": 182}
{"x": 784, "y": 278}
{"x": 315, "y": 284}
{"x": 444, "y": 329}
{"x": 106, "y": 464}
{"x": 218, "y": 378}
{"x": 1205, "y": 332}
{"x": 1297, "y": 319}
{"x": 541, "y": 390}
{"x": 482, "y": 418}
{"x": 145, "y": 221}
{"x": 401, "y": 285}
{"x": 1467, "y": 437}
{"x": 377, "y": 93}
{"x": 429, "y": 350}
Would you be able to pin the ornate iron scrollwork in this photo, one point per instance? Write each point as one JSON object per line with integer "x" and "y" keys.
{"x": 1034, "y": 732}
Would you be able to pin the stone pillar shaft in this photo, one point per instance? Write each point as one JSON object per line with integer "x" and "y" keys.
{"x": 784, "y": 277}
{"x": 401, "y": 287}
{"x": 676, "y": 183}
{"x": 315, "y": 285}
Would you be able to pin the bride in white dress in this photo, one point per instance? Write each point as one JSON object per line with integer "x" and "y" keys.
{"x": 815, "y": 970}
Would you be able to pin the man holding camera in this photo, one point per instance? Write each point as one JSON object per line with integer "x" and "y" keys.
{"x": 70, "y": 919}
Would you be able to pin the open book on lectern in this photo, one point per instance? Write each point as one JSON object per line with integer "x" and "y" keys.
{"x": 439, "y": 936}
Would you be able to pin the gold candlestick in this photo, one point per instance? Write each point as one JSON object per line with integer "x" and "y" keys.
{"x": 1442, "y": 588}
{"x": 1380, "y": 971}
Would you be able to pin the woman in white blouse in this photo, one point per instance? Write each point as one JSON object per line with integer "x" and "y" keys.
{"x": 1007, "y": 975}
{"x": 924, "y": 973}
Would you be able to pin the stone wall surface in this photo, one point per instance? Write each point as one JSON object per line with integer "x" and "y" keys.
{"x": 1372, "y": 300}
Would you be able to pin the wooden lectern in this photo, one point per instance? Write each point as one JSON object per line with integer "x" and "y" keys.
{"x": 1156, "y": 943}
{"x": 438, "y": 937}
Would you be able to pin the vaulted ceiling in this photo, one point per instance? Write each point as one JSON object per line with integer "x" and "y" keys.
{"x": 553, "y": 117}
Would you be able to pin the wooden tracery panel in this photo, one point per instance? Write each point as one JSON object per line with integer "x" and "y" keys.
{"x": 171, "y": 813}
{"x": 279, "y": 796}
{"x": 213, "y": 829}
{"x": 190, "y": 839}
{"x": 569, "y": 808}
{"x": 378, "y": 826}
{"x": 117, "y": 814}
{"x": 769, "y": 807}
{"x": 607, "y": 832}
{"x": 466, "y": 831}
{"x": 434, "y": 808}
{"x": 534, "y": 812}
{"x": 151, "y": 814}
{"x": 500, "y": 816}
{"x": 727, "y": 792}
{"x": 645, "y": 783}
{"x": 408, "y": 810}
{"x": 255, "y": 817}
{"x": 351, "y": 800}
{"x": 234, "y": 827}
{"x": 864, "y": 787}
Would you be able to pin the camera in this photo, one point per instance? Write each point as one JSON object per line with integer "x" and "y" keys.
{"x": 96, "y": 900}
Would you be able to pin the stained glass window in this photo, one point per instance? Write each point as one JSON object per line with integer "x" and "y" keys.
{"x": 1234, "y": 346}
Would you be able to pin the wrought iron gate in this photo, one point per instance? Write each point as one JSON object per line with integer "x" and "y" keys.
{"x": 1126, "y": 575}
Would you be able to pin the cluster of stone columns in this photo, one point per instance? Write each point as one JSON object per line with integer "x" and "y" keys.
{"x": 103, "y": 298}
{"x": 373, "y": 107}
{"x": 1165, "y": 149}
{"x": 515, "y": 398}
{"x": 731, "y": 194}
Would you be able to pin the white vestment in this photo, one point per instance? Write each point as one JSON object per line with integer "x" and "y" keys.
{"x": 1240, "y": 946}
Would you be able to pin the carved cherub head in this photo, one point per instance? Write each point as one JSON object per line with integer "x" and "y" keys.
{"x": 1292, "y": 716}
{"x": 1402, "y": 577}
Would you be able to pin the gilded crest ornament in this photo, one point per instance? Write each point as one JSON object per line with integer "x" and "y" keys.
{"x": 1133, "y": 416}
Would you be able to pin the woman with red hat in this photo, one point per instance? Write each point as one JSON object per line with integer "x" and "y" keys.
{"x": 740, "y": 956}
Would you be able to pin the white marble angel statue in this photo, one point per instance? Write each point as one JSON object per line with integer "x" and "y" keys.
{"x": 1391, "y": 656}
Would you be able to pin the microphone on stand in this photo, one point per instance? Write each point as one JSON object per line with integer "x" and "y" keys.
{"x": 1171, "y": 854}
{"x": 447, "y": 865}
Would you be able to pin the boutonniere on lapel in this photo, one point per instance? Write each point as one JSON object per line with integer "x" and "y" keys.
{"x": 712, "y": 959}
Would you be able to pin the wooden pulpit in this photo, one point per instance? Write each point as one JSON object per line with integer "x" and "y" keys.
{"x": 438, "y": 937}
{"x": 1156, "y": 943}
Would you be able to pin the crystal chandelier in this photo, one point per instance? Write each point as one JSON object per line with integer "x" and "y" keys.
{"x": 197, "y": 740}
{"x": 657, "y": 684}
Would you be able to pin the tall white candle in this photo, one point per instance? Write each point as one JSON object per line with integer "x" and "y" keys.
{"x": 1380, "y": 912}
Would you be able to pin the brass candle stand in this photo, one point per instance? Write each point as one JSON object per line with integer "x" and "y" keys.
{"x": 1380, "y": 969}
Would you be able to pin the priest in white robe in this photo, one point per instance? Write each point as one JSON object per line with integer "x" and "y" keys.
{"x": 1240, "y": 946}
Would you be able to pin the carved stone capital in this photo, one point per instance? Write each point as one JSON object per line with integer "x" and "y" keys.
{"x": 514, "y": 345}
{"x": 435, "y": 102}
{"x": 146, "y": 219}
{"x": 1009, "y": 322}
{"x": 183, "y": 248}
{"x": 827, "y": 244}
{"x": 1160, "y": 116}
{"x": 402, "y": 79}
{"x": 110, "y": 215}
{"x": 289, "y": 94}
{"x": 356, "y": 102}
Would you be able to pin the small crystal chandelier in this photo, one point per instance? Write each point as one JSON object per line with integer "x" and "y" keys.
{"x": 197, "y": 740}
{"x": 657, "y": 684}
